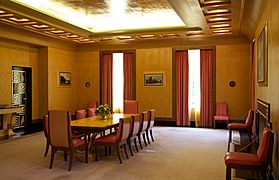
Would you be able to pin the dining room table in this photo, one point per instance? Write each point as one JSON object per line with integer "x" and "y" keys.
{"x": 97, "y": 125}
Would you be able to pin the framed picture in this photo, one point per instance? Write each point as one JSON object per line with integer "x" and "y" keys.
{"x": 262, "y": 57}
{"x": 64, "y": 79}
{"x": 153, "y": 79}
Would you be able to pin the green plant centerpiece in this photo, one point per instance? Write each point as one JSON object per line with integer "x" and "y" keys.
{"x": 104, "y": 111}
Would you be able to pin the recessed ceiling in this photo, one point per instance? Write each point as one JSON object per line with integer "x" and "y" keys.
{"x": 103, "y": 21}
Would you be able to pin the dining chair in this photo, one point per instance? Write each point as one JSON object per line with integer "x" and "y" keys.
{"x": 143, "y": 127}
{"x": 91, "y": 112}
{"x": 221, "y": 114}
{"x": 46, "y": 133}
{"x": 130, "y": 107}
{"x": 61, "y": 138}
{"x": 260, "y": 160}
{"x": 134, "y": 129}
{"x": 80, "y": 114}
{"x": 118, "y": 140}
{"x": 247, "y": 127}
{"x": 93, "y": 104}
{"x": 151, "y": 119}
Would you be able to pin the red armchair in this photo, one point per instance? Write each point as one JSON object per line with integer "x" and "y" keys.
{"x": 259, "y": 161}
{"x": 221, "y": 113}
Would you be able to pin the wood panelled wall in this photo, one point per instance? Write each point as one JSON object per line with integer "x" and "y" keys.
{"x": 270, "y": 93}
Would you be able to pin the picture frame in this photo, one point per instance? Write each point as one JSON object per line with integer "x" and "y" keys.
{"x": 262, "y": 69}
{"x": 153, "y": 79}
{"x": 65, "y": 79}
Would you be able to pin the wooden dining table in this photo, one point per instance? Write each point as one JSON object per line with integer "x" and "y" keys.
{"x": 97, "y": 125}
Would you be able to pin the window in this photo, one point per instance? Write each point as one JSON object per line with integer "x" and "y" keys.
{"x": 118, "y": 82}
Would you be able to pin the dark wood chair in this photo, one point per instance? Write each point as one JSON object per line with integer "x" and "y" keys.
{"x": 60, "y": 136}
{"x": 151, "y": 119}
{"x": 134, "y": 129}
{"x": 247, "y": 127}
{"x": 259, "y": 161}
{"x": 143, "y": 127}
{"x": 117, "y": 139}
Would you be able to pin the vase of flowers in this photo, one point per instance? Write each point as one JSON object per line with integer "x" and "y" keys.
{"x": 104, "y": 111}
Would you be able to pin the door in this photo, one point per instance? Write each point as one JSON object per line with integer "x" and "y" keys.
{"x": 21, "y": 95}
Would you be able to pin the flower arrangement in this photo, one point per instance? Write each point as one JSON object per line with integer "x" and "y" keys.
{"x": 103, "y": 110}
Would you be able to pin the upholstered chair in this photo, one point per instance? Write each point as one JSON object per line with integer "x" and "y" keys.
{"x": 130, "y": 106}
{"x": 134, "y": 129}
{"x": 143, "y": 127}
{"x": 60, "y": 136}
{"x": 221, "y": 114}
{"x": 119, "y": 139}
{"x": 80, "y": 114}
{"x": 93, "y": 104}
{"x": 91, "y": 112}
{"x": 259, "y": 161}
{"x": 151, "y": 119}
{"x": 46, "y": 133}
{"x": 247, "y": 127}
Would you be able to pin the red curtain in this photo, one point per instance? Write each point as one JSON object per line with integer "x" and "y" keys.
{"x": 128, "y": 76}
{"x": 182, "y": 81}
{"x": 206, "y": 71}
{"x": 106, "y": 79}
{"x": 253, "y": 79}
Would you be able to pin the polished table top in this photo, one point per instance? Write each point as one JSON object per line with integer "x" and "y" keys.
{"x": 96, "y": 122}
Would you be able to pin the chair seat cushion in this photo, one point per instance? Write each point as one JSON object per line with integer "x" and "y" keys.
{"x": 221, "y": 118}
{"x": 239, "y": 159}
{"x": 111, "y": 138}
{"x": 237, "y": 126}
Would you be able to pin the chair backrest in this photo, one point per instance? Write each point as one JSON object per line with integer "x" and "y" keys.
{"x": 135, "y": 122}
{"x": 46, "y": 126}
{"x": 91, "y": 112}
{"x": 265, "y": 149}
{"x": 59, "y": 128}
{"x": 249, "y": 119}
{"x": 151, "y": 118}
{"x": 222, "y": 109}
{"x": 130, "y": 106}
{"x": 123, "y": 129}
{"x": 93, "y": 104}
{"x": 144, "y": 120}
{"x": 80, "y": 114}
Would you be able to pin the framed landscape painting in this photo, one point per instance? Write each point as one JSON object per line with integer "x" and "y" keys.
{"x": 153, "y": 79}
{"x": 262, "y": 69}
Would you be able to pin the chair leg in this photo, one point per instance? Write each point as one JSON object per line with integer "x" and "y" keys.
{"x": 47, "y": 147}
{"x": 214, "y": 124}
{"x": 96, "y": 154}
{"x": 71, "y": 159}
{"x": 86, "y": 151}
{"x": 230, "y": 139}
{"x": 228, "y": 173}
{"x": 130, "y": 148}
{"x": 140, "y": 141}
{"x": 147, "y": 136}
{"x": 135, "y": 142}
{"x": 125, "y": 149}
{"x": 143, "y": 135}
{"x": 117, "y": 147}
{"x": 151, "y": 134}
{"x": 65, "y": 155}
{"x": 52, "y": 158}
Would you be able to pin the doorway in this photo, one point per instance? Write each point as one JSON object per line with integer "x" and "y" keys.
{"x": 22, "y": 95}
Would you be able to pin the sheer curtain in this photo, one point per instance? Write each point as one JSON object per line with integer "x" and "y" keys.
{"x": 182, "y": 68}
{"x": 206, "y": 62}
{"x": 106, "y": 79}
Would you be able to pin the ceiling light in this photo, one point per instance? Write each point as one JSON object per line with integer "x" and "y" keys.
{"x": 218, "y": 19}
{"x": 214, "y": 11}
{"x": 2, "y": 12}
{"x": 40, "y": 26}
{"x": 147, "y": 36}
{"x": 116, "y": 19}
{"x": 219, "y": 25}
{"x": 57, "y": 31}
{"x": 124, "y": 37}
{"x": 19, "y": 19}
{"x": 221, "y": 31}
{"x": 72, "y": 36}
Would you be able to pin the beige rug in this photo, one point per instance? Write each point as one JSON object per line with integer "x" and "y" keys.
{"x": 177, "y": 153}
